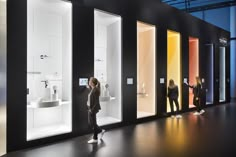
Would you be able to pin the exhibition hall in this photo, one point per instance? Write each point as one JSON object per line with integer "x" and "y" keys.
{"x": 141, "y": 76}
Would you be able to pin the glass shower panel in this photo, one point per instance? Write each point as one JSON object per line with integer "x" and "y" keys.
{"x": 3, "y": 67}
{"x": 193, "y": 65}
{"x": 107, "y": 65}
{"x": 146, "y": 50}
{"x": 49, "y": 68}
{"x": 222, "y": 74}
{"x": 174, "y": 63}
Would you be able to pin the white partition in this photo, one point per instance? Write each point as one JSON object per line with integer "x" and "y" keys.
{"x": 3, "y": 54}
{"x": 222, "y": 80}
{"x": 107, "y": 65}
{"x": 49, "y": 68}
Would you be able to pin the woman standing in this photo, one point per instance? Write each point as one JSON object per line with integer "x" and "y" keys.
{"x": 173, "y": 95}
{"x": 93, "y": 108}
{"x": 197, "y": 88}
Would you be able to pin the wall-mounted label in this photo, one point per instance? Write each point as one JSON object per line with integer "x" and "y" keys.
{"x": 130, "y": 81}
{"x": 223, "y": 41}
{"x": 185, "y": 80}
{"x": 203, "y": 80}
{"x": 162, "y": 80}
{"x": 83, "y": 81}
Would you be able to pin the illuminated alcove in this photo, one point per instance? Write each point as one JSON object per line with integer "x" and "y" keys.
{"x": 107, "y": 65}
{"x": 146, "y": 101}
{"x": 222, "y": 75}
{"x": 3, "y": 68}
{"x": 209, "y": 71}
{"x": 174, "y": 63}
{"x": 49, "y": 68}
{"x": 193, "y": 65}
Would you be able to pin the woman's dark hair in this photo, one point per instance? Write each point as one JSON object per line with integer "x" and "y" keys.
{"x": 97, "y": 84}
{"x": 171, "y": 83}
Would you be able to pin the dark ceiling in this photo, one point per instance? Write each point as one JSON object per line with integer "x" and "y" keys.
{"x": 199, "y": 5}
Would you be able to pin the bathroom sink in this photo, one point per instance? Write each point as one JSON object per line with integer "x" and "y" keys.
{"x": 105, "y": 98}
{"x": 45, "y": 104}
{"x": 142, "y": 95}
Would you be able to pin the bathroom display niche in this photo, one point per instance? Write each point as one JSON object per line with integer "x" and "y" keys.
{"x": 222, "y": 74}
{"x": 193, "y": 66}
{"x": 209, "y": 71}
{"x": 174, "y": 63}
{"x": 146, "y": 50}
{"x": 3, "y": 69}
{"x": 49, "y": 68}
{"x": 107, "y": 65}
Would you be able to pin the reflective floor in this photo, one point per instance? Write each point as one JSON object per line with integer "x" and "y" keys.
{"x": 209, "y": 135}
{"x": 107, "y": 120}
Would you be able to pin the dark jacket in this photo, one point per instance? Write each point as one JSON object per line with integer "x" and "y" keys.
{"x": 94, "y": 101}
{"x": 197, "y": 90}
{"x": 173, "y": 92}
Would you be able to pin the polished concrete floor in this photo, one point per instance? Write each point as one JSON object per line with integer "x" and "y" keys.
{"x": 212, "y": 134}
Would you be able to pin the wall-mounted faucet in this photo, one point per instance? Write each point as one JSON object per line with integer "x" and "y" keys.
{"x": 43, "y": 56}
{"x": 46, "y": 83}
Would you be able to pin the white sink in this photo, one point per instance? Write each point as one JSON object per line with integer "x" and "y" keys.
{"x": 45, "y": 104}
{"x": 104, "y": 98}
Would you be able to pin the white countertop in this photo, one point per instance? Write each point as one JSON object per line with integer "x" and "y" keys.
{"x": 63, "y": 102}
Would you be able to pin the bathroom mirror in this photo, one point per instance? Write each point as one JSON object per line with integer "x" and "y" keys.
{"x": 49, "y": 68}
{"x": 174, "y": 63}
{"x": 3, "y": 67}
{"x": 146, "y": 75}
{"x": 193, "y": 66}
{"x": 222, "y": 74}
{"x": 107, "y": 65}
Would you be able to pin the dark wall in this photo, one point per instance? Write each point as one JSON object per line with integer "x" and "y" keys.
{"x": 83, "y": 63}
{"x": 16, "y": 74}
{"x": 153, "y": 12}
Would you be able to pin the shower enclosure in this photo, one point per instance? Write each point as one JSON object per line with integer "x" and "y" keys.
{"x": 146, "y": 62}
{"x": 49, "y": 68}
{"x": 107, "y": 65}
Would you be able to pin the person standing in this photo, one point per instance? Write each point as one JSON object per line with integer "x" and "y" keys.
{"x": 173, "y": 95}
{"x": 93, "y": 105}
{"x": 197, "y": 91}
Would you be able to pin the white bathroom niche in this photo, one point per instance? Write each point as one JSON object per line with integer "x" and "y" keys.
{"x": 146, "y": 67}
{"x": 107, "y": 65}
{"x": 49, "y": 68}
